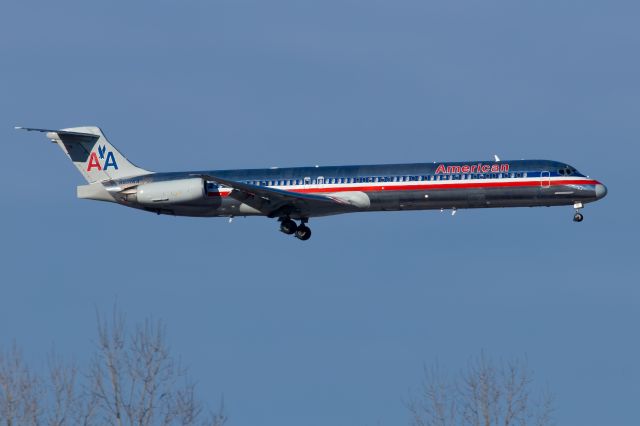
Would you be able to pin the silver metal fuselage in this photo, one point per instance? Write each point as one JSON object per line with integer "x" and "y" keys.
{"x": 421, "y": 186}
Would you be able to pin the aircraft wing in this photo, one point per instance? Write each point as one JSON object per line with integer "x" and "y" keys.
{"x": 279, "y": 203}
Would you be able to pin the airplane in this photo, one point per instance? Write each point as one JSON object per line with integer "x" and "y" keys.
{"x": 301, "y": 193}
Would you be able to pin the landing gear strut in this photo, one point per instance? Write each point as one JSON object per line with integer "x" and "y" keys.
{"x": 577, "y": 217}
{"x": 289, "y": 227}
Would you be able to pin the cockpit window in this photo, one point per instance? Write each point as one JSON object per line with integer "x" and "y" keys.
{"x": 567, "y": 171}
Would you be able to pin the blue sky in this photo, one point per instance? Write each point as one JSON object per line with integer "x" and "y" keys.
{"x": 335, "y": 330}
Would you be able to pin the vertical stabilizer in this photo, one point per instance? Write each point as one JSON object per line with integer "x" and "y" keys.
{"x": 92, "y": 154}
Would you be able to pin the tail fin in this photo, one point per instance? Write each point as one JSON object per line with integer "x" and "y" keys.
{"x": 92, "y": 153}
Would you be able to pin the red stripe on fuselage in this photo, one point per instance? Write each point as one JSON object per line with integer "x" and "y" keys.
{"x": 431, "y": 186}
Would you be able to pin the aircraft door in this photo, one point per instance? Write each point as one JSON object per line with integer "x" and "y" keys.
{"x": 545, "y": 179}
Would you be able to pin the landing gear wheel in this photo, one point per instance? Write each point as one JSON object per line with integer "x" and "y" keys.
{"x": 303, "y": 232}
{"x": 578, "y": 217}
{"x": 288, "y": 226}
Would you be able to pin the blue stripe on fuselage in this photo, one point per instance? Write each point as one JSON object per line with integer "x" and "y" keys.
{"x": 533, "y": 168}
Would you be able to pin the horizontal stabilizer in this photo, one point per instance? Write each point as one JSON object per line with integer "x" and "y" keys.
{"x": 59, "y": 132}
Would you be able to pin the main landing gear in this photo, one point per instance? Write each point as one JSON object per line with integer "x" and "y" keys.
{"x": 577, "y": 217}
{"x": 289, "y": 227}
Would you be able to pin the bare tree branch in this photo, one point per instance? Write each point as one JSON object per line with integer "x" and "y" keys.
{"x": 20, "y": 390}
{"x": 146, "y": 385}
{"x": 132, "y": 380}
{"x": 484, "y": 394}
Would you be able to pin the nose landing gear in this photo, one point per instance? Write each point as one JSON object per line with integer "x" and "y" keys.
{"x": 289, "y": 227}
{"x": 577, "y": 217}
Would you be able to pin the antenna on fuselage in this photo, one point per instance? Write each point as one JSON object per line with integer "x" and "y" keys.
{"x": 495, "y": 157}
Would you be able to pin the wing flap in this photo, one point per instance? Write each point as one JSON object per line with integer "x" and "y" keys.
{"x": 279, "y": 203}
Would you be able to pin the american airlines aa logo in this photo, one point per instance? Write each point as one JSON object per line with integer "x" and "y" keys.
{"x": 94, "y": 162}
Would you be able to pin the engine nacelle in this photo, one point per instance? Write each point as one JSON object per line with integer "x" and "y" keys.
{"x": 171, "y": 192}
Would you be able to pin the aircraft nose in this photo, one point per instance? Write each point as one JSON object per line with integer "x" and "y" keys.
{"x": 601, "y": 191}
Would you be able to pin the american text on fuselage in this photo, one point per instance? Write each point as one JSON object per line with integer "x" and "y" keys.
{"x": 370, "y": 188}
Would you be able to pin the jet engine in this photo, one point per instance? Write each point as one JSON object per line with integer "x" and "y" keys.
{"x": 170, "y": 192}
